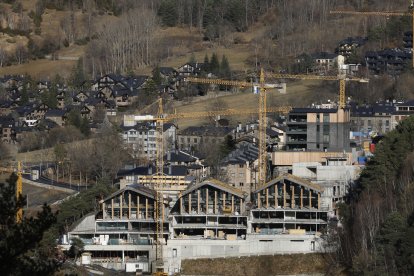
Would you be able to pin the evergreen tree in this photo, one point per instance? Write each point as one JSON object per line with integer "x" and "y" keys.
{"x": 168, "y": 12}
{"x": 20, "y": 252}
{"x": 78, "y": 77}
{"x": 84, "y": 126}
{"x": 215, "y": 65}
{"x": 192, "y": 59}
{"x": 156, "y": 76}
{"x": 225, "y": 71}
{"x": 206, "y": 66}
{"x": 24, "y": 96}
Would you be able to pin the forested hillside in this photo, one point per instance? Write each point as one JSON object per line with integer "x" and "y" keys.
{"x": 378, "y": 219}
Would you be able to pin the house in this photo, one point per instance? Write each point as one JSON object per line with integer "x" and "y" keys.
{"x": 124, "y": 97}
{"x": 195, "y": 165}
{"x": 7, "y": 129}
{"x": 195, "y": 137}
{"x": 240, "y": 167}
{"x": 408, "y": 40}
{"x": 403, "y": 110}
{"x": 388, "y": 61}
{"x": 190, "y": 69}
{"x": 6, "y": 107}
{"x": 349, "y": 45}
{"x": 56, "y": 115}
{"x": 372, "y": 118}
{"x": 324, "y": 61}
{"x": 79, "y": 98}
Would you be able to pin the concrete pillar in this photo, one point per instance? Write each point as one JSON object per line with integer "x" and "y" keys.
{"x": 310, "y": 198}
{"x": 241, "y": 206}
{"x": 215, "y": 202}
{"x": 112, "y": 208}
{"x": 301, "y": 197}
{"x": 267, "y": 198}
{"x": 319, "y": 201}
{"x": 138, "y": 203}
{"x": 258, "y": 200}
{"x": 224, "y": 200}
{"x": 198, "y": 202}
{"x": 181, "y": 203}
{"x": 292, "y": 200}
{"x": 103, "y": 210}
{"x": 232, "y": 204}
{"x": 284, "y": 195}
{"x": 189, "y": 203}
{"x": 120, "y": 206}
{"x": 129, "y": 205}
{"x": 276, "y": 196}
{"x": 206, "y": 200}
{"x": 146, "y": 208}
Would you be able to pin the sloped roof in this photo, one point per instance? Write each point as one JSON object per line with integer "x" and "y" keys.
{"x": 216, "y": 184}
{"x": 138, "y": 188}
{"x": 292, "y": 178}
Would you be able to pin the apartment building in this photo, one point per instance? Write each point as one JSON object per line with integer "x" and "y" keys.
{"x": 318, "y": 129}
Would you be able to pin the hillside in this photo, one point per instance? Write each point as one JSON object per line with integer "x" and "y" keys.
{"x": 271, "y": 37}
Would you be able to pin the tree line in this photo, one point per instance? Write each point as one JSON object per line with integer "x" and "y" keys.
{"x": 378, "y": 218}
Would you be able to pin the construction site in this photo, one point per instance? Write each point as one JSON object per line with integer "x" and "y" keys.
{"x": 156, "y": 221}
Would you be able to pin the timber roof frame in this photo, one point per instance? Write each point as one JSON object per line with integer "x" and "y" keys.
{"x": 292, "y": 178}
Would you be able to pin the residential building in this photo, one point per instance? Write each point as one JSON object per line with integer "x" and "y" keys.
{"x": 240, "y": 167}
{"x": 372, "y": 118}
{"x": 403, "y": 110}
{"x": 388, "y": 61}
{"x": 318, "y": 129}
{"x": 195, "y": 137}
{"x": 349, "y": 45}
{"x": 207, "y": 220}
{"x": 141, "y": 138}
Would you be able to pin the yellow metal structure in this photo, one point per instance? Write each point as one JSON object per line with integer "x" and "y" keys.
{"x": 19, "y": 190}
{"x": 162, "y": 118}
{"x": 342, "y": 79}
{"x": 380, "y": 13}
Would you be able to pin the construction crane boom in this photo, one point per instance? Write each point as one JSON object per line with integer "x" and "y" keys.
{"x": 341, "y": 77}
{"x": 382, "y": 13}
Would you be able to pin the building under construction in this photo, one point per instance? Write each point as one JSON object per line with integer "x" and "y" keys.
{"x": 209, "y": 219}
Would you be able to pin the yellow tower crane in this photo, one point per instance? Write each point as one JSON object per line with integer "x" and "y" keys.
{"x": 341, "y": 77}
{"x": 382, "y": 13}
{"x": 19, "y": 187}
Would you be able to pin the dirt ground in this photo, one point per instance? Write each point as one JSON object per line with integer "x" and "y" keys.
{"x": 303, "y": 264}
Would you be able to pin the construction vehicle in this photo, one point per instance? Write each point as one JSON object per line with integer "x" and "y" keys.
{"x": 410, "y": 12}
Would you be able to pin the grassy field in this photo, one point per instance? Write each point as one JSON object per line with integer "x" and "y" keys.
{"x": 37, "y": 196}
{"x": 299, "y": 93}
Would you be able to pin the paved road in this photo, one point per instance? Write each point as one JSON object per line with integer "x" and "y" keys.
{"x": 47, "y": 181}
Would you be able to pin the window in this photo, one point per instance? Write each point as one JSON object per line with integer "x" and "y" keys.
{"x": 174, "y": 252}
{"x": 317, "y": 128}
{"x": 241, "y": 184}
{"x": 195, "y": 140}
{"x": 325, "y": 129}
{"x": 387, "y": 122}
{"x": 326, "y": 118}
{"x": 369, "y": 123}
{"x": 188, "y": 140}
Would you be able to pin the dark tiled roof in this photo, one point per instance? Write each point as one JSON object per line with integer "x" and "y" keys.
{"x": 245, "y": 152}
{"x": 206, "y": 131}
{"x": 323, "y": 55}
{"x": 179, "y": 156}
{"x": 313, "y": 110}
{"x": 55, "y": 113}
